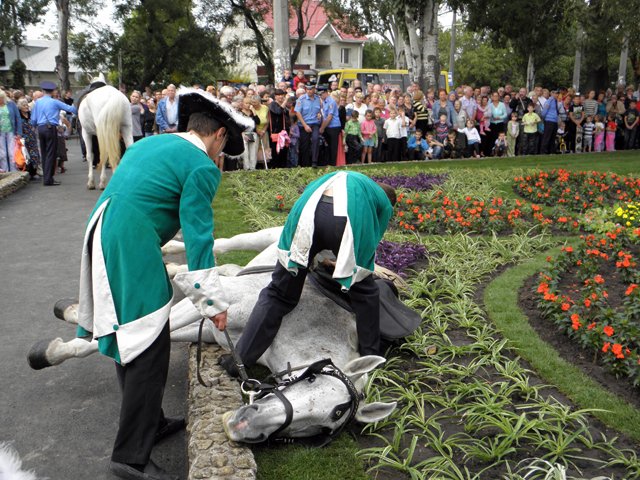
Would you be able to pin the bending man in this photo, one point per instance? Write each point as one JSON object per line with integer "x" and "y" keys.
{"x": 347, "y": 213}
{"x": 164, "y": 183}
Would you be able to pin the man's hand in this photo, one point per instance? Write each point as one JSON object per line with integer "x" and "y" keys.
{"x": 220, "y": 320}
{"x": 308, "y": 129}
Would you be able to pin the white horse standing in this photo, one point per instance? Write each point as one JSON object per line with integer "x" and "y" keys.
{"x": 105, "y": 113}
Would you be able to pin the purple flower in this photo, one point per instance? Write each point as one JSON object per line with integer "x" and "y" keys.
{"x": 419, "y": 182}
{"x": 397, "y": 257}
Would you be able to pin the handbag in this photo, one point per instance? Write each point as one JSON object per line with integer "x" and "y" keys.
{"x": 18, "y": 157}
{"x": 275, "y": 136}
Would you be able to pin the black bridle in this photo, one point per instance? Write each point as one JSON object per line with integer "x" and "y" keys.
{"x": 321, "y": 367}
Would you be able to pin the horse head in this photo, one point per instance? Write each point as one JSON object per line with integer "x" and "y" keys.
{"x": 319, "y": 402}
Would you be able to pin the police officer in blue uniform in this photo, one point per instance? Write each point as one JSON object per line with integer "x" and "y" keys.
{"x": 309, "y": 111}
{"x": 46, "y": 117}
{"x": 331, "y": 126}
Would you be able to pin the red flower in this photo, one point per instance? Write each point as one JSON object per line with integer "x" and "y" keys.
{"x": 631, "y": 288}
{"x": 565, "y": 307}
{"x": 591, "y": 326}
{"x": 605, "y": 347}
{"x": 598, "y": 279}
{"x": 587, "y": 303}
{"x": 617, "y": 350}
{"x": 608, "y": 330}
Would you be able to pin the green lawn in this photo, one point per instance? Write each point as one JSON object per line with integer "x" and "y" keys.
{"x": 243, "y": 199}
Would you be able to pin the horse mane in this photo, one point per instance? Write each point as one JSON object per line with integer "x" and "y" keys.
{"x": 11, "y": 465}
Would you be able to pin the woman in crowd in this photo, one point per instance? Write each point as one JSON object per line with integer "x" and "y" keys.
{"x": 590, "y": 104}
{"x": 30, "y": 138}
{"x": 263, "y": 153}
{"x": 443, "y": 105}
{"x": 278, "y": 121}
{"x": 250, "y": 154}
{"x": 10, "y": 127}
{"x": 420, "y": 111}
{"x": 497, "y": 117}
{"x": 459, "y": 116}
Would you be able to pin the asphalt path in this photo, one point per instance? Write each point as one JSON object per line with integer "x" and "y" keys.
{"x": 61, "y": 420}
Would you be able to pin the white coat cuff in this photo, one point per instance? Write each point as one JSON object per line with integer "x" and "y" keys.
{"x": 204, "y": 289}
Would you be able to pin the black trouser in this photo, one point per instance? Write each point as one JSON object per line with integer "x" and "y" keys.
{"x": 48, "y": 136}
{"x": 530, "y": 144}
{"x": 142, "y": 383}
{"x": 394, "y": 149}
{"x": 571, "y": 136}
{"x": 278, "y": 159}
{"x": 283, "y": 294}
{"x": 549, "y": 138}
{"x": 308, "y": 146}
{"x": 331, "y": 135}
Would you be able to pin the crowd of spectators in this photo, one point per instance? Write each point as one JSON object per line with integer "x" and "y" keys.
{"x": 299, "y": 125}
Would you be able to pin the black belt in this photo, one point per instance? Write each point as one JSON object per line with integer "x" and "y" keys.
{"x": 48, "y": 125}
{"x": 326, "y": 199}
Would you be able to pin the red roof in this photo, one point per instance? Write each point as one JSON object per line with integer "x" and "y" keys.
{"x": 315, "y": 17}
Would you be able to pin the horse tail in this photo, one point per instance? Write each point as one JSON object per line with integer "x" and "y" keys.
{"x": 108, "y": 130}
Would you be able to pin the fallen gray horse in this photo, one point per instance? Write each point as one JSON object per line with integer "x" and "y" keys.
{"x": 321, "y": 403}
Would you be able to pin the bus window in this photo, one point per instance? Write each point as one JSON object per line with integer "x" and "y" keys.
{"x": 323, "y": 80}
{"x": 393, "y": 81}
{"x": 367, "y": 79}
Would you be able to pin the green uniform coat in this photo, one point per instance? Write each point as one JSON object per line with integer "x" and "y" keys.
{"x": 163, "y": 183}
{"x": 368, "y": 211}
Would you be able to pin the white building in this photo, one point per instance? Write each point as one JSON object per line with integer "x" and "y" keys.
{"x": 325, "y": 45}
{"x": 39, "y": 56}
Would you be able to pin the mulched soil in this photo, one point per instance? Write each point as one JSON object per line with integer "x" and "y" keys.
{"x": 568, "y": 350}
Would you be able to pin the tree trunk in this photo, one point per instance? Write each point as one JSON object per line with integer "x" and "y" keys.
{"x": 531, "y": 73}
{"x": 452, "y": 47}
{"x": 414, "y": 60}
{"x": 624, "y": 57}
{"x": 430, "y": 68}
{"x": 62, "y": 59}
{"x": 577, "y": 64}
{"x": 300, "y": 31}
{"x": 635, "y": 63}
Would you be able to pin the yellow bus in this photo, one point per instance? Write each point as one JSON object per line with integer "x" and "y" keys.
{"x": 392, "y": 79}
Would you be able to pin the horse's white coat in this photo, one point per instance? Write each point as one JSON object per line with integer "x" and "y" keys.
{"x": 11, "y": 465}
{"x": 106, "y": 113}
{"x": 321, "y": 329}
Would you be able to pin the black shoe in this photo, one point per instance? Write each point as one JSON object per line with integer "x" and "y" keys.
{"x": 170, "y": 426}
{"x": 229, "y": 364}
{"x": 55, "y": 182}
{"x": 151, "y": 472}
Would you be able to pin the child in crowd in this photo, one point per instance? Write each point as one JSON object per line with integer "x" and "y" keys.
{"x": 417, "y": 146}
{"x": 380, "y": 150}
{"x": 587, "y": 134}
{"x": 561, "y": 138}
{"x": 513, "y": 130}
{"x": 530, "y": 122}
{"x": 353, "y": 138}
{"x": 393, "y": 133}
{"x": 501, "y": 146}
{"x": 404, "y": 132}
{"x": 482, "y": 115}
{"x": 598, "y": 143}
{"x": 473, "y": 139}
{"x": 442, "y": 128}
{"x": 610, "y": 136}
{"x": 454, "y": 145}
{"x": 435, "y": 147}
{"x": 294, "y": 136}
{"x": 369, "y": 137}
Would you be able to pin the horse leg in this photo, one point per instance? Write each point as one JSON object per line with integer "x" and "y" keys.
{"x": 255, "y": 241}
{"x": 88, "y": 141}
{"x": 67, "y": 310}
{"x": 103, "y": 174}
{"x": 127, "y": 132}
{"x": 47, "y": 353}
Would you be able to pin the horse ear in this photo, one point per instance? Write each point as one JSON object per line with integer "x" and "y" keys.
{"x": 374, "y": 412}
{"x": 359, "y": 366}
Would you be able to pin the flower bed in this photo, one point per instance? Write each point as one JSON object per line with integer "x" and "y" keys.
{"x": 578, "y": 191}
{"x": 418, "y": 183}
{"x": 440, "y": 214}
{"x": 398, "y": 257}
{"x": 591, "y": 293}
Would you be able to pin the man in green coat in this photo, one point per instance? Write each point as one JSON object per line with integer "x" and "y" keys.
{"x": 347, "y": 213}
{"x": 164, "y": 183}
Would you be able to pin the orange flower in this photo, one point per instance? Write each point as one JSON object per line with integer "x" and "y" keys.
{"x": 605, "y": 347}
{"x": 591, "y": 326}
{"x": 617, "y": 350}
{"x": 565, "y": 307}
{"x": 575, "y": 318}
{"x": 587, "y": 303}
{"x": 608, "y": 330}
{"x": 568, "y": 249}
{"x": 631, "y": 288}
{"x": 598, "y": 279}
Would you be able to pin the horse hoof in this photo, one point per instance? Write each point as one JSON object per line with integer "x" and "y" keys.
{"x": 37, "y": 356}
{"x": 101, "y": 187}
{"x": 91, "y": 187}
{"x": 61, "y": 305}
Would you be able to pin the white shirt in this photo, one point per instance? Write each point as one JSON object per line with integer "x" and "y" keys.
{"x": 393, "y": 127}
{"x": 472, "y": 134}
{"x": 172, "y": 111}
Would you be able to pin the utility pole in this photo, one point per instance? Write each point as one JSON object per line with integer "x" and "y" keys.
{"x": 281, "y": 49}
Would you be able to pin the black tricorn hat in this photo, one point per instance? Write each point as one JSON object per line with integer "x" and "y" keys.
{"x": 192, "y": 101}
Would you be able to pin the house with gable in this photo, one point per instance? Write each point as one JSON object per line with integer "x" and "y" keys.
{"x": 325, "y": 45}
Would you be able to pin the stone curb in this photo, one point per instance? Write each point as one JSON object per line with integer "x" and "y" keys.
{"x": 211, "y": 454}
{"x": 10, "y": 182}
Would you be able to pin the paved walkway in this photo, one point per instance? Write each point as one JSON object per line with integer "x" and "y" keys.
{"x": 62, "y": 420}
